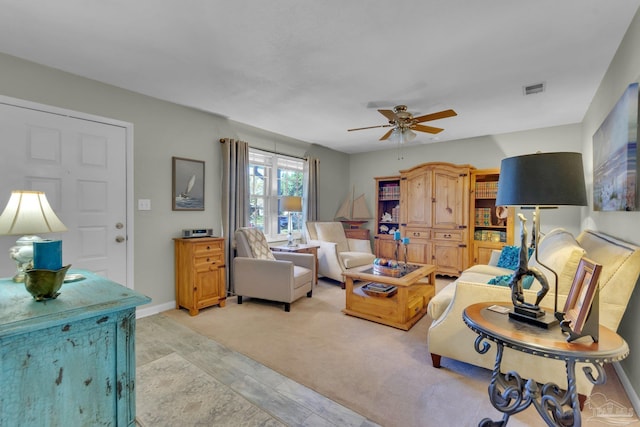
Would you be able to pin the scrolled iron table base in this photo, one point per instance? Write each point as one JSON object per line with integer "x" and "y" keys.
{"x": 510, "y": 394}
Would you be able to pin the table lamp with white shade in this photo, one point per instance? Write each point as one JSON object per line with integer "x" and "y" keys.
{"x": 27, "y": 214}
{"x": 291, "y": 204}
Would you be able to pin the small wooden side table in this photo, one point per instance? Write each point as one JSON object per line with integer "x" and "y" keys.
{"x": 301, "y": 249}
{"x": 556, "y": 407}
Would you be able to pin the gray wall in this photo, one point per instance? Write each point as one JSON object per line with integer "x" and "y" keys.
{"x": 624, "y": 69}
{"x": 163, "y": 130}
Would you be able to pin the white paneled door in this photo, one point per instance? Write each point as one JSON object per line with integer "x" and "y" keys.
{"x": 81, "y": 166}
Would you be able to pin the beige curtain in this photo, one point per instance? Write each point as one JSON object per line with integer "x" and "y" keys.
{"x": 235, "y": 197}
{"x": 311, "y": 189}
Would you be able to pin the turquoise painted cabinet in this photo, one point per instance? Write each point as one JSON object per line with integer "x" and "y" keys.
{"x": 68, "y": 361}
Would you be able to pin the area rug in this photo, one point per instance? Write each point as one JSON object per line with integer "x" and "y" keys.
{"x": 173, "y": 392}
{"x": 383, "y": 373}
{"x": 378, "y": 371}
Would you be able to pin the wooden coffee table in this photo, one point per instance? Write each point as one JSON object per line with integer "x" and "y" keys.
{"x": 402, "y": 310}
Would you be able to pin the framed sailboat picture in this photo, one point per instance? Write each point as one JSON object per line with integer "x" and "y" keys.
{"x": 188, "y": 184}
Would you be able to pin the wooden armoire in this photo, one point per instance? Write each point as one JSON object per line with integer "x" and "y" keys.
{"x": 434, "y": 215}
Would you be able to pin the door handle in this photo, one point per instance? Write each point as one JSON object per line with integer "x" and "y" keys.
{"x": 120, "y": 239}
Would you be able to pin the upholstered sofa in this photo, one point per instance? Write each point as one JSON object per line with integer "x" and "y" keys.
{"x": 449, "y": 337}
{"x": 337, "y": 253}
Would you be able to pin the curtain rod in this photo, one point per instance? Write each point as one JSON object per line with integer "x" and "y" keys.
{"x": 272, "y": 152}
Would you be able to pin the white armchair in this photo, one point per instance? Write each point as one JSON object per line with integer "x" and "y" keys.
{"x": 274, "y": 276}
{"x": 337, "y": 253}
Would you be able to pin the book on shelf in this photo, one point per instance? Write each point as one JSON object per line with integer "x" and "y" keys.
{"x": 389, "y": 192}
{"x": 490, "y": 236}
{"x": 482, "y": 216}
{"x": 486, "y": 189}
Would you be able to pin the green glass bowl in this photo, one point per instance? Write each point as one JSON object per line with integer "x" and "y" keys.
{"x": 45, "y": 284}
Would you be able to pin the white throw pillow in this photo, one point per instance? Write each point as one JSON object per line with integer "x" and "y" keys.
{"x": 559, "y": 251}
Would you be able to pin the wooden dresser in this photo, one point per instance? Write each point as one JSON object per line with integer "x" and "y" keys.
{"x": 200, "y": 273}
{"x": 69, "y": 361}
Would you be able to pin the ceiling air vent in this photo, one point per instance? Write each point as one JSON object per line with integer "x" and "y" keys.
{"x": 536, "y": 88}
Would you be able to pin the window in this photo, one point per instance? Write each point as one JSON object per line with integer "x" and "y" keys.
{"x": 272, "y": 176}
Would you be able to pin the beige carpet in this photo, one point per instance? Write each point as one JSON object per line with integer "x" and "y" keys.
{"x": 383, "y": 373}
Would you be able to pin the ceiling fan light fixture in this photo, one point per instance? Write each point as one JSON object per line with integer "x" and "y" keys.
{"x": 396, "y": 136}
{"x": 404, "y": 124}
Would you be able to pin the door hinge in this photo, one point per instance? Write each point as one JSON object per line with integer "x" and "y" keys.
{"x": 463, "y": 174}
{"x": 462, "y": 245}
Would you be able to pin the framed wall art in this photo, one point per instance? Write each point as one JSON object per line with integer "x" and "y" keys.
{"x": 188, "y": 184}
{"x": 615, "y": 157}
{"x": 583, "y": 289}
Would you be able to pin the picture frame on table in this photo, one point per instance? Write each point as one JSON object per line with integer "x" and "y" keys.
{"x": 187, "y": 187}
{"x": 580, "y": 299}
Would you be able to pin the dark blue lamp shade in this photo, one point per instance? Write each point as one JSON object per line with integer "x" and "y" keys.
{"x": 542, "y": 179}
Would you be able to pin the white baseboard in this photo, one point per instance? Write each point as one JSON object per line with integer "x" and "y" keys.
{"x": 154, "y": 309}
{"x": 628, "y": 388}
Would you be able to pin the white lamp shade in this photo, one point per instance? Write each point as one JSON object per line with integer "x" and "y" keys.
{"x": 291, "y": 204}
{"x": 29, "y": 212}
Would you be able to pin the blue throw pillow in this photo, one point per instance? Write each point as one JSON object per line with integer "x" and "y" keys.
{"x": 509, "y": 257}
{"x": 527, "y": 281}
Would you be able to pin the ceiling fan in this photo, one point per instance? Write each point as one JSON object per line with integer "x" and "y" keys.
{"x": 403, "y": 123}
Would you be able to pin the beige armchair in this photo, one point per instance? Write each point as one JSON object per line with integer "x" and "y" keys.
{"x": 337, "y": 253}
{"x": 274, "y": 276}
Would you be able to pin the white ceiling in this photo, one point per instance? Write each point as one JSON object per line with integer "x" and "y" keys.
{"x": 312, "y": 69}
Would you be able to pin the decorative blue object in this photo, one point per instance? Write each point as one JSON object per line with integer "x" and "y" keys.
{"x": 527, "y": 281}
{"x": 405, "y": 241}
{"x": 509, "y": 257}
{"x": 47, "y": 255}
{"x": 396, "y": 235}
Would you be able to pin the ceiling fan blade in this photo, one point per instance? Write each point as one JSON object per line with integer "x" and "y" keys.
{"x": 435, "y": 116}
{"x": 388, "y": 114}
{"x": 369, "y": 127}
{"x": 386, "y": 135}
{"x": 428, "y": 129}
